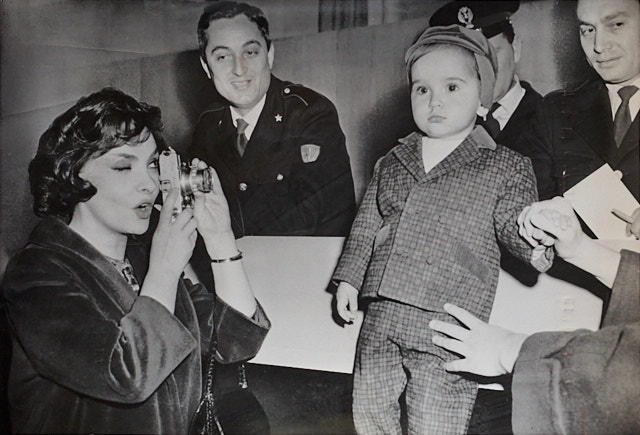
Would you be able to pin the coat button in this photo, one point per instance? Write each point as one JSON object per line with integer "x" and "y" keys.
{"x": 279, "y": 177}
{"x": 243, "y": 186}
{"x": 429, "y": 259}
{"x": 287, "y": 90}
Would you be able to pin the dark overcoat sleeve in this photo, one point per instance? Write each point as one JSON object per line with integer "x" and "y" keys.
{"x": 584, "y": 381}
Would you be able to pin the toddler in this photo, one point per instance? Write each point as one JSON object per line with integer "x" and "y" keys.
{"x": 427, "y": 233}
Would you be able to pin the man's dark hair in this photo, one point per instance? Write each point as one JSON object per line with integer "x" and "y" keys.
{"x": 94, "y": 125}
{"x": 229, "y": 9}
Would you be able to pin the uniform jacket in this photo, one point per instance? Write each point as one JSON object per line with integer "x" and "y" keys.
{"x": 429, "y": 238}
{"x": 583, "y": 381}
{"x": 572, "y": 136}
{"x": 521, "y": 118}
{"x": 271, "y": 190}
{"x": 88, "y": 356}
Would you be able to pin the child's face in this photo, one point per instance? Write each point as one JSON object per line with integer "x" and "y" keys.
{"x": 445, "y": 92}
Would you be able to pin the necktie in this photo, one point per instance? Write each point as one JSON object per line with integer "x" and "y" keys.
{"x": 491, "y": 124}
{"x": 241, "y": 138}
{"x": 622, "y": 120}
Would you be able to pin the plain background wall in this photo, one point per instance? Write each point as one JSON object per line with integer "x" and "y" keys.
{"x": 55, "y": 51}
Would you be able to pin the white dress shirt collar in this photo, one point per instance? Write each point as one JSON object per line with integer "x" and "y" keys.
{"x": 251, "y": 117}
{"x": 615, "y": 100}
{"x": 509, "y": 103}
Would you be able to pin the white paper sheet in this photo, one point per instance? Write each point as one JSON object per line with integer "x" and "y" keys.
{"x": 290, "y": 275}
{"x": 596, "y": 196}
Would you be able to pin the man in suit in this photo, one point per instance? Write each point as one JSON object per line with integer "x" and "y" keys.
{"x": 277, "y": 147}
{"x": 580, "y": 129}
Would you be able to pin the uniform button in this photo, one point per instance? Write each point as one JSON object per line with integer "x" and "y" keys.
{"x": 279, "y": 177}
{"x": 442, "y": 219}
{"x": 429, "y": 259}
{"x": 243, "y": 186}
{"x": 287, "y": 90}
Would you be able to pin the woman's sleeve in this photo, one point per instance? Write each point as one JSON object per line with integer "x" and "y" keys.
{"x": 72, "y": 340}
{"x": 239, "y": 337}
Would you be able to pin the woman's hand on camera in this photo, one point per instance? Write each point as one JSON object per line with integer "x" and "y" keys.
{"x": 171, "y": 248}
{"x": 214, "y": 223}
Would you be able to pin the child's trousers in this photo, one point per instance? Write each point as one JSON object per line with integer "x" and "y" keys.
{"x": 395, "y": 353}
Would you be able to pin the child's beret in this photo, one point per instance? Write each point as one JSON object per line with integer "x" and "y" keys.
{"x": 472, "y": 40}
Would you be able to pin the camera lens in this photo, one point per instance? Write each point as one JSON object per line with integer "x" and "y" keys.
{"x": 196, "y": 180}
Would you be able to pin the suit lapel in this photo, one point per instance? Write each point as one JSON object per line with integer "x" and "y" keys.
{"x": 594, "y": 123}
{"x": 631, "y": 140}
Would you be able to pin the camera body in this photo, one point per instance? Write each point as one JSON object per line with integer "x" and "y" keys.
{"x": 189, "y": 179}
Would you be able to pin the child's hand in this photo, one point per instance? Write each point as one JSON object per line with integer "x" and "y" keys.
{"x": 347, "y": 301}
{"x": 553, "y": 222}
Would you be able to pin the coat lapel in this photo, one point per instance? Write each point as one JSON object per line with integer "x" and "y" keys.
{"x": 409, "y": 154}
{"x": 594, "y": 123}
{"x": 631, "y": 140}
{"x": 57, "y": 235}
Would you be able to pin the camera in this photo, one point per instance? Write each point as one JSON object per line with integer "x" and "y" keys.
{"x": 189, "y": 179}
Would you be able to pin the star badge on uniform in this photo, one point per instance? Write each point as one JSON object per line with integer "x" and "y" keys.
{"x": 278, "y": 118}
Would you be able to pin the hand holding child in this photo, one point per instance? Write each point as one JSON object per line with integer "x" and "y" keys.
{"x": 488, "y": 350}
{"x": 552, "y": 223}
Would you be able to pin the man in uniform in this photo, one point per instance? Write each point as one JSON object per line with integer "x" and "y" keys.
{"x": 277, "y": 147}
{"x": 281, "y": 158}
{"x": 516, "y": 100}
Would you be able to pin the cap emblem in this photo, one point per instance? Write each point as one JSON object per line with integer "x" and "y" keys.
{"x": 465, "y": 16}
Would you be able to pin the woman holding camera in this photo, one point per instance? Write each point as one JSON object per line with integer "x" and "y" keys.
{"x": 108, "y": 337}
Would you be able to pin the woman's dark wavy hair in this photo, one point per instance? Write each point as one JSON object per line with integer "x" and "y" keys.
{"x": 94, "y": 125}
